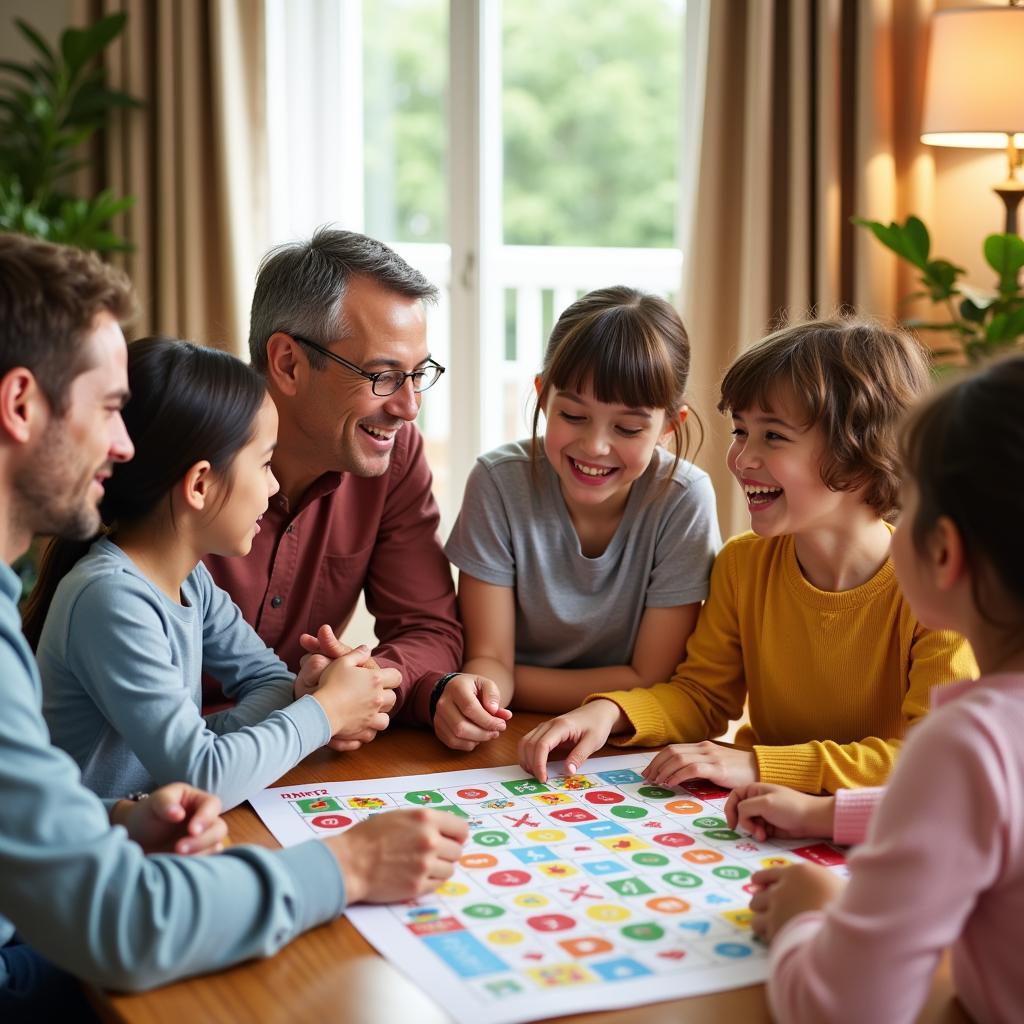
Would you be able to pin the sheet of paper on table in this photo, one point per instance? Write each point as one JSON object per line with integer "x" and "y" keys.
{"x": 590, "y": 892}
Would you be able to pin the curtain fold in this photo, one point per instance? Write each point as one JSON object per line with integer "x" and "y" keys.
{"x": 810, "y": 116}
{"x": 194, "y": 158}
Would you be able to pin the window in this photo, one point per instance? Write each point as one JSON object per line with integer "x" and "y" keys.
{"x": 519, "y": 154}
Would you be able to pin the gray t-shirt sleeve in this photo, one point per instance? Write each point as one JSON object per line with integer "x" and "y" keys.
{"x": 686, "y": 545}
{"x": 84, "y": 895}
{"x": 121, "y": 655}
{"x": 481, "y": 539}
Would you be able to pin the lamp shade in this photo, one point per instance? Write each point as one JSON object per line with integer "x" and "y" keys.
{"x": 974, "y": 94}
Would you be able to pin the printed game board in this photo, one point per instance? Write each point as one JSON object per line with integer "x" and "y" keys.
{"x": 590, "y": 892}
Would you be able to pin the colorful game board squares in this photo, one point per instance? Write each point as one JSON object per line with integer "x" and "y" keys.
{"x": 684, "y": 807}
{"x": 621, "y": 969}
{"x": 509, "y": 879}
{"x": 572, "y": 783}
{"x": 531, "y": 900}
{"x": 703, "y": 856}
{"x": 624, "y": 844}
{"x": 821, "y": 853}
{"x": 551, "y": 922}
{"x": 603, "y": 796}
{"x": 475, "y": 861}
{"x": 673, "y": 840}
{"x": 533, "y": 854}
{"x": 650, "y": 860}
{"x": 608, "y": 913}
{"x": 545, "y": 835}
{"x": 733, "y": 950}
{"x": 730, "y": 872}
{"x": 368, "y": 803}
{"x": 586, "y": 945}
{"x": 525, "y": 787}
{"x": 452, "y": 889}
{"x": 552, "y": 799}
{"x": 465, "y": 954}
{"x": 620, "y": 777}
{"x": 632, "y": 886}
{"x": 330, "y": 822}
{"x": 740, "y": 918}
{"x": 452, "y": 809}
{"x": 317, "y": 805}
{"x": 521, "y": 820}
{"x": 601, "y": 829}
{"x": 561, "y": 975}
{"x": 572, "y": 815}
{"x": 683, "y": 879}
{"x": 558, "y": 869}
{"x": 667, "y": 905}
{"x": 704, "y": 790}
{"x": 484, "y": 911}
{"x": 435, "y": 925}
{"x": 500, "y": 803}
{"x": 603, "y": 867}
{"x": 502, "y": 988}
{"x": 424, "y": 797}
{"x": 643, "y": 931}
{"x": 491, "y": 838}
{"x": 469, "y": 794}
{"x": 630, "y": 812}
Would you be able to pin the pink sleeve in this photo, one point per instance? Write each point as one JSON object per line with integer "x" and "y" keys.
{"x": 854, "y": 810}
{"x": 934, "y": 846}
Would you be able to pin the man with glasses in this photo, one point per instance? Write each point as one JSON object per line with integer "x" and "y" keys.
{"x": 338, "y": 327}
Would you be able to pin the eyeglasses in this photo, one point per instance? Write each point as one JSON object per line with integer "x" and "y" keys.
{"x": 384, "y": 382}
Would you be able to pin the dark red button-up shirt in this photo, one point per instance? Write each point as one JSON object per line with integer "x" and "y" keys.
{"x": 350, "y": 534}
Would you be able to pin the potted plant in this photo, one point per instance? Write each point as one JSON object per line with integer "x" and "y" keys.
{"x": 981, "y": 325}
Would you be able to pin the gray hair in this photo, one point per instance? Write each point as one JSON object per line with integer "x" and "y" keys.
{"x": 300, "y": 286}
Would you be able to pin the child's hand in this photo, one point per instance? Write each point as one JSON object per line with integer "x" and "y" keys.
{"x": 787, "y": 891}
{"x": 587, "y": 727}
{"x": 469, "y": 712}
{"x": 765, "y": 810}
{"x": 320, "y": 650}
{"x": 724, "y": 766}
{"x": 176, "y": 818}
{"x": 356, "y": 699}
{"x": 399, "y": 855}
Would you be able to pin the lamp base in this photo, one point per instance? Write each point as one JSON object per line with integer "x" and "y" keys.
{"x": 1011, "y": 193}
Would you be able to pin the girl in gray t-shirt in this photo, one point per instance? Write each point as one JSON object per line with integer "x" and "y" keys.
{"x": 584, "y": 554}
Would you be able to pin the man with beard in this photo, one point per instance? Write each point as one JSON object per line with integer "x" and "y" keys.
{"x": 83, "y": 895}
{"x": 338, "y": 327}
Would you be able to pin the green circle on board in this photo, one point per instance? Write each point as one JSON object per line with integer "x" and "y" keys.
{"x": 722, "y": 833}
{"x": 650, "y": 860}
{"x": 683, "y": 879}
{"x": 643, "y": 932}
{"x": 730, "y": 871}
{"x": 490, "y": 838}
{"x": 424, "y": 797}
{"x": 708, "y": 823}
{"x": 484, "y": 911}
{"x": 656, "y": 792}
{"x": 629, "y": 811}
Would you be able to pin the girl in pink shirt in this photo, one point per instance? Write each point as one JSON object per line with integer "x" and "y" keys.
{"x": 943, "y": 862}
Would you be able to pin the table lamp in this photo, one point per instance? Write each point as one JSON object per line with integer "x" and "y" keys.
{"x": 974, "y": 96}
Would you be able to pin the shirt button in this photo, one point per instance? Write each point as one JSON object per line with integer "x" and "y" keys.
{"x": 276, "y": 602}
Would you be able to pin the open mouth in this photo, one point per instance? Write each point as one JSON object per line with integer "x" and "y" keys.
{"x": 378, "y": 434}
{"x": 760, "y": 496}
{"x": 589, "y": 472}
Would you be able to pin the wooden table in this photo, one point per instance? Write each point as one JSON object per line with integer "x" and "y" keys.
{"x": 333, "y": 975}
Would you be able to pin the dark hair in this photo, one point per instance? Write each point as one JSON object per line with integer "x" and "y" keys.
{"x": 853, "y": 377}
{"x": 964, "y": 450}
{"x": 629, "y": 347}
{"x": 187, "y": 404}
{"x": 300, "y": 286}
{"x": 49, "y": 297}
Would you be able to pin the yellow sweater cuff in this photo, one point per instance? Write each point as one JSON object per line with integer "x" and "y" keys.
{"x": 798, "y": 766}
{"x": 644, "y": 714}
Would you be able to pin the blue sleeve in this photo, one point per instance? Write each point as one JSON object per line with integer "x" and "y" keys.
{"x": 480, "y": 543}
{"x": 686, "y": 545}
{"x": 119, "y": 651}
{"x": 249, "y": 672}
{"x": 84, "y": 895}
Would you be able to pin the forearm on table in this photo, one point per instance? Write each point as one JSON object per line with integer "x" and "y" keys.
{"x": 497, "y": 671}
{"x": 561, "y": 689}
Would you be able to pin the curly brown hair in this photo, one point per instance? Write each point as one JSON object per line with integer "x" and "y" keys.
{"x": 49, "y": 297}
{"x": 855, "y": 378}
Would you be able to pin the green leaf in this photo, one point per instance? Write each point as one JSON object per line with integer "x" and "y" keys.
{"x": 975, "y": 310}
{"x": 916, "y": 240}
{"x": 104, "y": 32}
{"x": 1005, "y": 255}
{"x": 36, "y": 40}
{"x": 940, "y": 279}
{"x": 1015, "y": 324}
{"x": 996, "y": 330}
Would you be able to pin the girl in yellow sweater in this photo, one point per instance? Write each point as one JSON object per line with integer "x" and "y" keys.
{"x": 805, "y": 619}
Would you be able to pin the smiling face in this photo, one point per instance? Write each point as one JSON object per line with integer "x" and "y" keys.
{"x": 239, "y": 497}
{"x": 598, "y": 449}
{"x": 61, "y": 486}
{"x": 352, "y": 429}
{"x": 777, "y": 462}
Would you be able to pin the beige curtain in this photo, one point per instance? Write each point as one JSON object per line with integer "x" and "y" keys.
{"x": 194, "y": 158}
{"x": 809, "y": 116}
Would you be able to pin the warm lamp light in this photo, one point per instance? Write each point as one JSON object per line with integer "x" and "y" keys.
{"x": 974, "y": 94}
